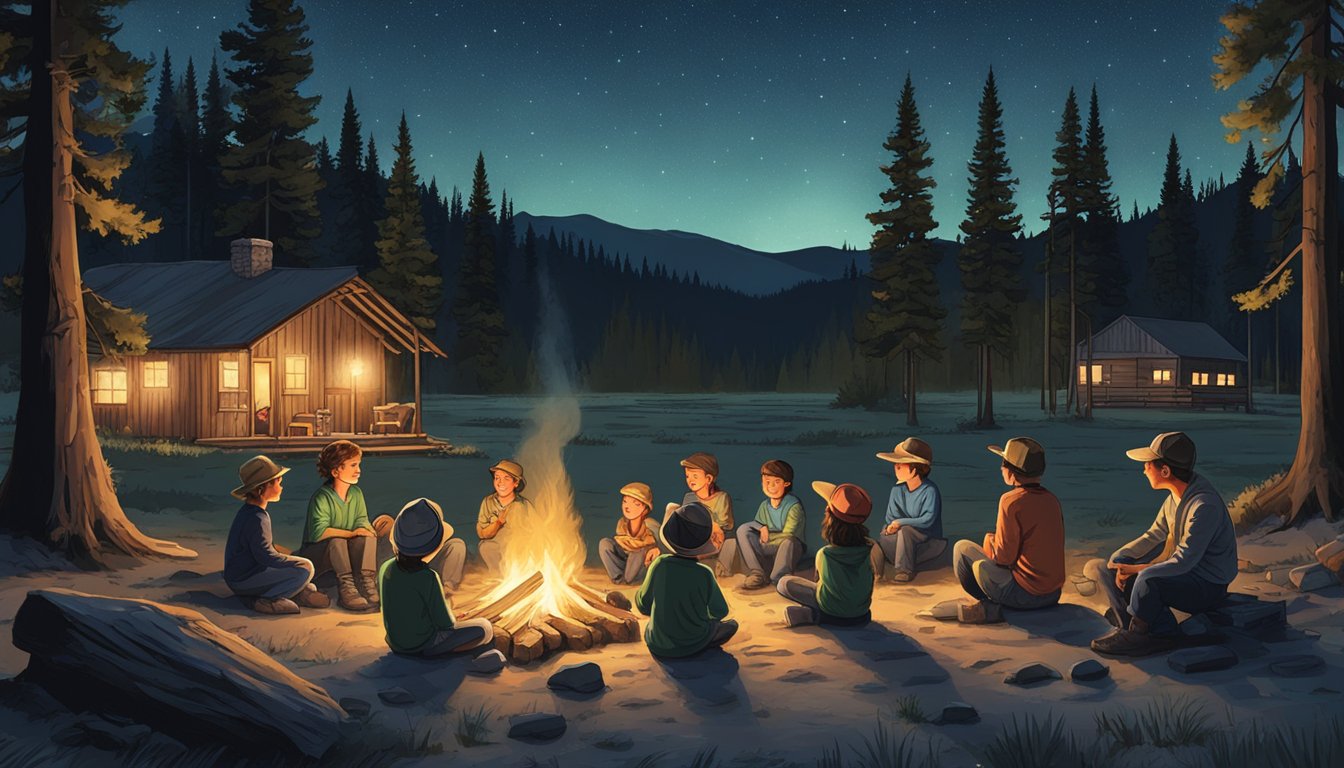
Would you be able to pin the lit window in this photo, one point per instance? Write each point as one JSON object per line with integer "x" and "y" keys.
{"x": 231, "y": 395}
{"x": 1161, "y": 374}
{"x": 109, "y": 386}
{"x": 1096, "y": 374}
{"x": 1231, "y": 379}
{"x": 156, "y": 375}
{"x": 1222, "y": 379}
{"x": 1199, "y": 379}
{"x": 296, "y": 374}
{"x": 1082, "y": 374}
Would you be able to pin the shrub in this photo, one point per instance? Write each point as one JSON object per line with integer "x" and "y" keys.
{"x": 1246, "y": 514}
{"x": 1167, "y": 723}
{"x": 473, "y": 727}
{"x": 861, "y": 390}
{"x": 1034, "y": 743}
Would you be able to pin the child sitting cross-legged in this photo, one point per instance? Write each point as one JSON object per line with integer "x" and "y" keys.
{"x": 843, "y": 591}
{"x": 417, "y": 617}
{"x": 686, "y": 609}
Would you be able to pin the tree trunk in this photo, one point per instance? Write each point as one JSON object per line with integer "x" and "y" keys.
{"x": 980, "y": 383}
{"x": 1315, "y": 481}
{"x": 988, "y": 419}
{"x": 911, "y": 417}
{"x": 1046, "y": 397}
{"x": 1071, "y": 396}
{"x": 59, "y": 488}
{"x": 1250, "y": 377}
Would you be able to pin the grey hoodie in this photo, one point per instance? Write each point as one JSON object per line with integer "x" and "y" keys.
{"x": 1206, "y": 544}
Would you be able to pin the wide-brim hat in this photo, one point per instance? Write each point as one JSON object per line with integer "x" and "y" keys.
{"x": 639, "y": 492}
{"x": 705, "y": 462}
{"x": 848, "y": 502}
{"x": 1022, "y": 454}
{"x": 256, "y": 472}
{"x": 1174, "y": 448}
{"x": 512, "y": 469}
{"x": 911, "y": 450}
{"x": 419, "y": 528}
{"x": 686, "y": 531}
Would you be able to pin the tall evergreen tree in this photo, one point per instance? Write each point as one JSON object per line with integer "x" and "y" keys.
{"x": 407, "y": 273}
{"x": 990, "y": 261}
{"x": 216, "y": 127}
{"x": 189, "y": 117}
{"x": 354, "y": 225}
{"x": 372, "y": 192}
{"x": 272, "y": 167}
{"x": 481, "y": 333}
{"x": 1195, "y": 264}
{"x": 167, "y": 166}
{"x": 905, "y": 319}
{"x": 1105, "y": 264}
{"x": 1169, "y": 278}
{"x": 1244, "y": 266}
{"x": 64, "y": 81}
{"x": 1067, "y": 184}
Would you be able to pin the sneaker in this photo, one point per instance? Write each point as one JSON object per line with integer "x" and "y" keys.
{"x": 903, "y": 577}
{"x": 276, "y": 607}
{"x": 755, "y": 580}
{"x": 979, "y": 612}
{"x": 309, "y": 597}
{"x": 1127, "y": 642}
{"x": 798, "y": 616}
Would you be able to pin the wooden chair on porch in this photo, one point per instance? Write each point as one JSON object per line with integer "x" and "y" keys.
{"x": 392, "y": 419}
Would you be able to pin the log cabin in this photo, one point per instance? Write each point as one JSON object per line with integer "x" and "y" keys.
{"x": 242, "y": 354}
{"x": 1138, "y": 362}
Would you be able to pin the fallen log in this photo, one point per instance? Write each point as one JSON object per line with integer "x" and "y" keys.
{"x": 503, "y": 640}
{"x": 605, "y": 628}
{"x": 528, "y": 646}
{"x": 171, "y": 669}
{"x": 628, "y": 622}
{"x": 495, "y": 610}
{"x": 577, "y": 637}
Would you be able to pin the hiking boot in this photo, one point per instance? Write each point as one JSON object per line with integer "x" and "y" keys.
{"x": 755, "y": 580}
{"x": 903, "y": 577}
{"x": 1115, "y": 620}
{"x": 798, "y": 616}
{"x": 309, "y": 597}
{"x": 979, "y": 612}
{"x": 368, "y": 584}
{"x": 1135, "y": 641}
{"x": 276, "y": 607}
{"x": 347, "y": 596}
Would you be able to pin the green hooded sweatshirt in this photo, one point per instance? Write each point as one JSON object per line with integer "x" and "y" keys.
{"x": 844, "y": 581}
{"x": 682, "y": 600}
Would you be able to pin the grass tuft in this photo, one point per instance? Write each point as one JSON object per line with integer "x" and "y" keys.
{"x": 1033, "y": 743}
{"x": 582, "y": 439}
{"x": 473, "y": 727}
{"x": 157, "y": 446}
{"x": 1245, "y": 512}
{"x": 495, "y": 422}
{"x": 882, "y": 750}
{"x": 1112, "y": 520}
{"x": 909, "y": 710}
{"x": 705, "y": 758}
{"x": 1167, "y": 723}
{"x": 458, "y": 452}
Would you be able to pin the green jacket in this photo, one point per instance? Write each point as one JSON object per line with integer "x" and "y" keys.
{"x": 844, "y": 581}
{"x": 788, "y": 519}
{"x": 326, "y": 510}
{"x": 682, "y": 600}
{"x": 413, "y": 606}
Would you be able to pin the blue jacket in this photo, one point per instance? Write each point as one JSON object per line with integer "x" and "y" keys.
{"x": 921, "y": 508}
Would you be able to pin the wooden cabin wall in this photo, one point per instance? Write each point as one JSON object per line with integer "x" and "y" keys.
{"x": 188, "y": 408}
{"x": 331, "y": 338}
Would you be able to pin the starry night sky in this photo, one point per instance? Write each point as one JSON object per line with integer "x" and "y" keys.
{"x": 760, "y": 123}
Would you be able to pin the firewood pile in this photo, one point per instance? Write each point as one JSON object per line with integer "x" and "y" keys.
{"x": 525, "y": 639}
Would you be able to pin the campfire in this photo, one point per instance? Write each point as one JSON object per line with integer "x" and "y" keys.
{"x": 540, "y": 606}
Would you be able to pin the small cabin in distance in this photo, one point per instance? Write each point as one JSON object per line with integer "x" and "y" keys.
{"x": 244, "y": 355}
{"x": 1141, "y": 362}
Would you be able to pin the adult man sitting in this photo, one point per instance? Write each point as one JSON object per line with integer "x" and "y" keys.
{"x": 1185, "y": 559}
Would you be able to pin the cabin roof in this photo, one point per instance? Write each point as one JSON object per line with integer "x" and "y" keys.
{"x": 1130, "y": 336}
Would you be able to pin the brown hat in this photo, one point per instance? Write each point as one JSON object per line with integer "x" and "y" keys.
{"x": 911, "y": 450}
{"x": 1174, "y": 448}
{"x": 639, "y": 492}
{"x": 847, "y": 502}
{"x": 702, "y": 461}
{"x": 1022, "y": 454}
{"x": 512, "y": 469}
{"x": 256, "y": 472}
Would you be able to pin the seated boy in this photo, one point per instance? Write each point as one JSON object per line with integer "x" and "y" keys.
{"x": 496, "y": 509}
{"x": 680, "y": 595}
{"x": 1185, "y": 559}
{"x": 337, "y": 535}
{"x": 914, "y": 511}
{"x": 774, "y": 539}
{"x": 417, "y": 617}
{"x": 626, "y": 555}
{"x": 277, "y": 583}
{"x": 1021, "y": 564}
{"x": 702, "y": 474}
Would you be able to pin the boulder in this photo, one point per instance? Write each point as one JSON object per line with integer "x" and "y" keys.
{"x": 1032, "y": 673}
{"x": 1087, "y": 670}
{"x": 957, "y": 713}
{"x": 171, "y": 669}
{"x": 489, "y": 662}
{"x": 537, "y": 726}
{"x": 397, "y": 697}
{"x": 1208, "y": 659}
{"x": 580, "y": 678}
{"x": 1309, "y": 578}
{"x": 1250, "y": 613}
{"x": 356, "y": 708}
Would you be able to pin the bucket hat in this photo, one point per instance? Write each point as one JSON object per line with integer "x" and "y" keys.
{"x": 639, "y": 492}
{"x": 686, "y": 531}
{"x": 512, "y": 469}
{"x": 419, "y": 528}
{"x": 256, "y": 472}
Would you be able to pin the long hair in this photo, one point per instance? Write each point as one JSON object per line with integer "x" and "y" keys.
{"x": 842, "y": 534}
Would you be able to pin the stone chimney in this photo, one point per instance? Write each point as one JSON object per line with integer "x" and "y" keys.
{"x": 250, "y": 256}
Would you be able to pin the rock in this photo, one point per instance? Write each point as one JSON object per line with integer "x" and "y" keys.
{"x": 537, "y": 726}
{"x": 101, "y": 734}
{"x": 1032, "y": 673}
{"x": 356, "y": 708}
{"x": 944, "y": 611}
{"x": 981, "y": 663}
{"x": 184, "y": 575}
{"x": 870, "y": 688}
{"x": 173, "y": 670}
{"x": 1309, "y": 578}
{"x": 617, "y": 599}
{"x": 1304, "y": 665}
{"x": 397, "y": 697}
{"x": 801, "y": 676}
{"x": 1209, "y": 659}
{"x": 580, "y": 678}
{"x": 1250, "y": 613}
{"x": 979, "y": 612}
{"x": 488, "y": 663}
{"x": 1197, "y": 625}
{"x": 957, "y": 713}
{"x": 1088, "y": 669}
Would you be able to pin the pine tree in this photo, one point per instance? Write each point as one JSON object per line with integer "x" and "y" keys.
{"x": 58, "y": 488}
{"x": 989, "y": 260}
{"x": 1168, "y": 278}
{"x": 481, "y": 333}
{"x": 1105, "y": 264}
{"x": 1243, "y": 268}
{"x": 356, "y": 229}
{"x": 272, "y": 168}
{"x": 1194, "y": 262}
{"x": 216, "y": 127}
{"x": 906, "y": 316}
{"x": 1067, "y": 184}
{"x": 167, "y": 166}
{"x": 407, "y": 274}
{"x": 189, "y": 117}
